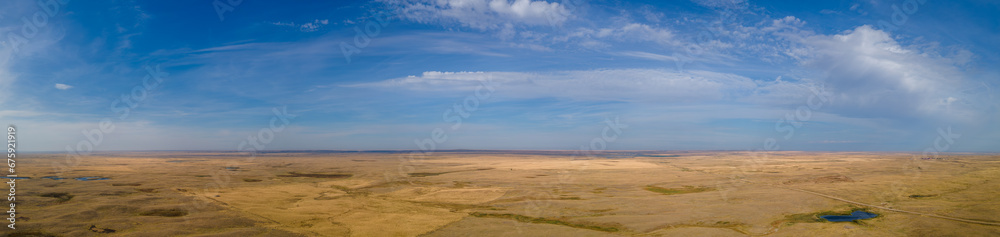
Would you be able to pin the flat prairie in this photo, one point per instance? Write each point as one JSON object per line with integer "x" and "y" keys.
{"x": 506, "y": 193}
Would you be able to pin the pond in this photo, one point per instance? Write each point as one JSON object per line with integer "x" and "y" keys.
{"x": 88, "y": 178}
{"x": 856, "y": 215}
{"x": 91, "y": 178}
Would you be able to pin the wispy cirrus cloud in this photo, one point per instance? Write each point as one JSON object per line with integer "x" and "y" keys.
{"x": 639, "y": 85}
{"x": 483, "y": 14}
{"x": 304, "y": 27}
{"x": 63, "y": 86}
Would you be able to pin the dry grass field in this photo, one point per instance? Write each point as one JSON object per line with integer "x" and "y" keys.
{"x": 516, "y": 193}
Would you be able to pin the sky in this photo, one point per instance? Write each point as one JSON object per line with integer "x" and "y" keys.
{"x": 914, "y": 75}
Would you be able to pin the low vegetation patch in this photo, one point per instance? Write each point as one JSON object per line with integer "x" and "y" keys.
{"x": 425, "y": 174}
{"x": 115, "y": 193}
{"x": 252, "y": 180}
{"x": 833, "y": 179}
{"x": 332, "y": 176}
{"x": 101, "y": 230}
{"x": 172, "y": 212}
{"x": 461, "y": 184}
{"x": 29, "y": 234}
{"x": 542, "y": 220}
{"x": 61, "y": 196}
{"x": 684, "y": 189}
{"x": 127, "y": 184}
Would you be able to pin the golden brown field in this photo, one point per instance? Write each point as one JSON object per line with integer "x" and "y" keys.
{"x": 516, "y": 193}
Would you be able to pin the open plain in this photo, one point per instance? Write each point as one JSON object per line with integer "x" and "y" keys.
{"x": 506, "y": 193}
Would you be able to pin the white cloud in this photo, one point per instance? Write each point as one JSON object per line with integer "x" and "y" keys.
{"x": 789, "y": 22}
{"x": 639, "y": 32}
{"x": 592, "y": 85}
{"x": 629, "y": 32}
{"x": 312, "y": 26}
{"x": 307, "y": 27}
{"x": 870, "y": 73}
{"x": 63, "y": 86}
{"x": 511, "y": 20}
{"x": 646, "y": 55}
{"x": 874, "y": 75}
{"x": 650, "y": 14}
{"x": 12, "y": 52}
{"x": 484, "y": 14}
{"x": 722, "y": 3}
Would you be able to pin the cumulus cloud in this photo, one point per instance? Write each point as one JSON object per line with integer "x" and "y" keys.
{"x": 873, "y": 74}
{"x": 869, "y": 71}
{"x": 788, "y": 22}
{"x": 63, "y": 86}
{"x": 484, "y": 14}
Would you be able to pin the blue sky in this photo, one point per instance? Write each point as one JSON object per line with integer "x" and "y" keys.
{"x": 681, "y": 75}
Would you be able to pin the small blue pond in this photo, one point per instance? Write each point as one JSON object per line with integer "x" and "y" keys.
{"x": 53, "y": 178}
{"x": 856, "y": 215}
{"x": 18, "y": 177}
{"x": 90, "y": 178}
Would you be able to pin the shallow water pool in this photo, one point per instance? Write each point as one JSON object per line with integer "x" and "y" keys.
{"x": 856, "y": 215}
